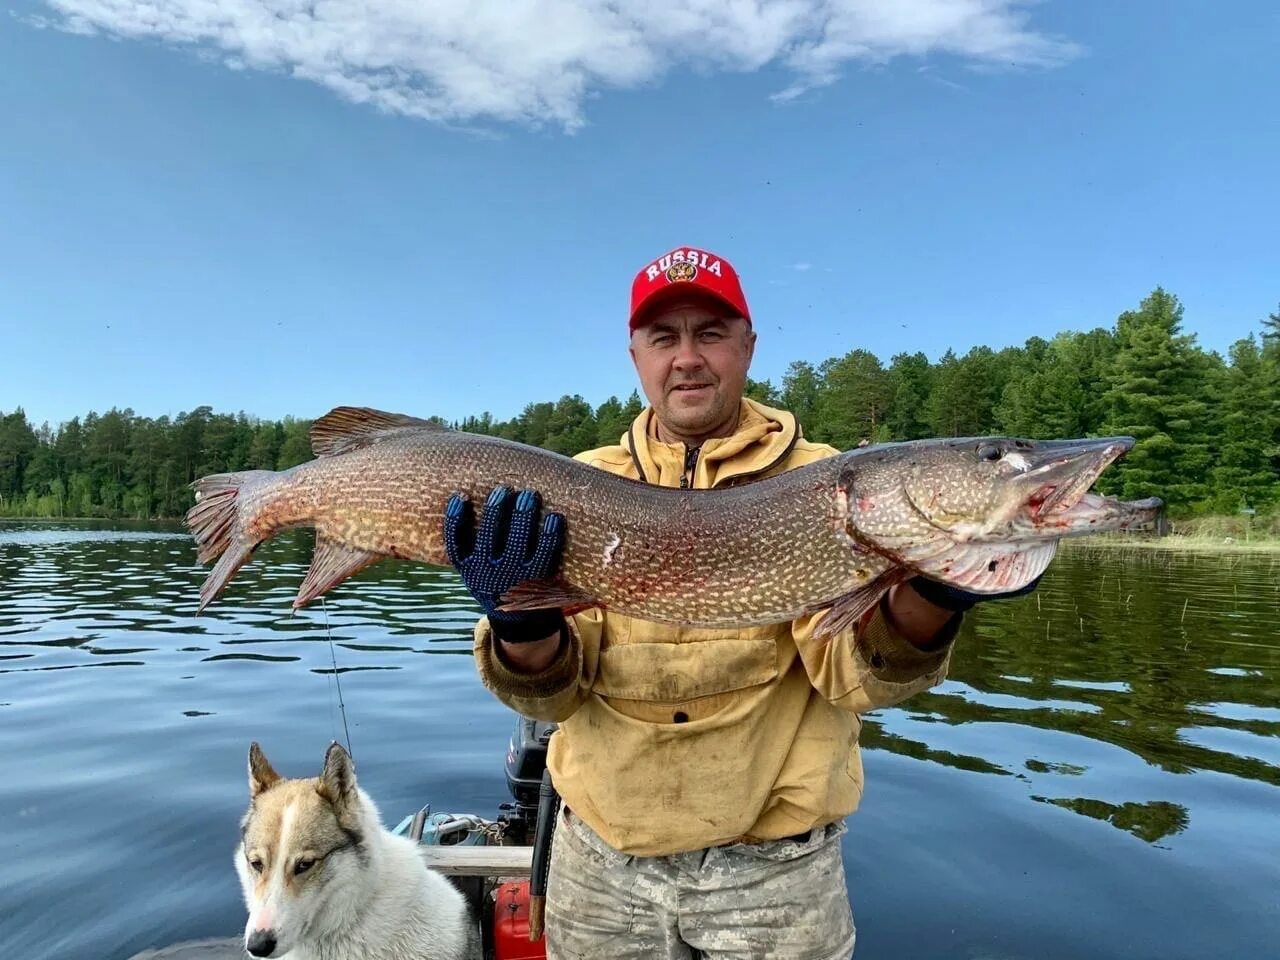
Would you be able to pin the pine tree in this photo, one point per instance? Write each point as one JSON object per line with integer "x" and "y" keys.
{"x": 1157, "y": 395}
{"x": 571, "y": 428}
{"x": 1244, "y": 476}
{"x": 17, "y": 449}
{"x": 1090, "y": 356}
{"x": 613, "y": 419}
{"x": 801, "y": 392}
{"x": 911, "y": 378}
{"x": 264, "y": 450}
{"x": 611, "y": 423}
{"x": 296, "y": 447}
{"x": 1270, "y": 385}
{"x": 1020, "y": 408}
{"x": 762, "y": 391}
{"x": 855, "y": 396}
{"x": 1271, "y": 332}
{"x": 965, "y": 391}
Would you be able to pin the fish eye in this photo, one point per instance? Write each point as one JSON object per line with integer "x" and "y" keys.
{"x": 303, "y": 865}
{"x": 989, "y": 452}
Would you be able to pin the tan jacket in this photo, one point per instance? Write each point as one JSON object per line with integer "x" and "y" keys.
{"x": 675, "y": 739}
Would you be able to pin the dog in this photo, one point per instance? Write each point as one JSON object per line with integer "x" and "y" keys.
{"x": 324, "y": 880}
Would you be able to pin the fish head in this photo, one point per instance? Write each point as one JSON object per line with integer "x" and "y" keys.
{"x": 983, "y": 511}
{"x": 998, "y": 488}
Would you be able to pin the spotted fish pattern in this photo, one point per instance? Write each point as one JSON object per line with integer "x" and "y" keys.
{"x": 983, "y": 513}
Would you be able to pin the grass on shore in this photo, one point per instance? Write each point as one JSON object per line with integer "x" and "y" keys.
{"x": 1216, "y": 534}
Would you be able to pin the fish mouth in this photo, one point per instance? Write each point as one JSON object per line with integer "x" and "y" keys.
{"x": 1059, "y": 479}
{"x": 1093, "y": 513}
{"x": 1059, "y": 473}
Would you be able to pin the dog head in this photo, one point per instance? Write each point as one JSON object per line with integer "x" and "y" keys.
{"x": 299, "y": 841}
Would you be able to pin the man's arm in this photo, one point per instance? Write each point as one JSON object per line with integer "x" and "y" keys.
{"x": 533, "y": 656}
{"x": 898, "y": 650}
{"x": 559, "y": 684}
{"x": 874, "y": 663}
{"x": 918, "y": 620}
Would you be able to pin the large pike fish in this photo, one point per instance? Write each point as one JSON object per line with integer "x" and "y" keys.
{"x": 985, "y": 514}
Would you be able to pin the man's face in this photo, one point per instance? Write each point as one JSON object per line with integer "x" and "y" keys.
{"x": 693, "y": 361}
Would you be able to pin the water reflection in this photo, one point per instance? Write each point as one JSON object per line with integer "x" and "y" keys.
{"x": 1151, "y": 821}
{"x": 1156, "y": 650}
{"x": 1133, "y": 698}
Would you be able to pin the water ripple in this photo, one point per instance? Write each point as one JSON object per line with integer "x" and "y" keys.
{"x": 1114, "y": 733}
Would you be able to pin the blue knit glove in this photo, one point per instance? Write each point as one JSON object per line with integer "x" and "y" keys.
{"x": 506, "y": 548}
{"x": 953, "y": 598}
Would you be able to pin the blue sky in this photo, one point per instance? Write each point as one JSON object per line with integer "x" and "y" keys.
{"x": 439, "y": 212}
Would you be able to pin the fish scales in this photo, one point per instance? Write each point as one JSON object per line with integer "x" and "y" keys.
{"x": 839, "y": 531}
{"x": 665, "y": 554}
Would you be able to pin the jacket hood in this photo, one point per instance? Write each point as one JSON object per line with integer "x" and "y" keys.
{"x": 762, "y": 440}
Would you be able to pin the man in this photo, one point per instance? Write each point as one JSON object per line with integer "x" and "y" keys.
{"x": 705, "y": 774}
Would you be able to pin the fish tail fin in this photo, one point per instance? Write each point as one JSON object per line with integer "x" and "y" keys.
{"x": 216, "y": 524}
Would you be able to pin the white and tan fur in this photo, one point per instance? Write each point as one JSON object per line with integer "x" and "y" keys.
{"x": 324, "y": 880}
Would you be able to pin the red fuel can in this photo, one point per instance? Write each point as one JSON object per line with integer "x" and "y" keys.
{"x": 511, "y": 924}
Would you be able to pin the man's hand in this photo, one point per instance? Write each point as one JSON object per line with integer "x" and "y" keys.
{"x": 921, "y": 607}
{"x": 956, "y": 600}
{"x": 507, "y": 547}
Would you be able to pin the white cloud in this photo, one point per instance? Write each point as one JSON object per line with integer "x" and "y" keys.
{"x": 537, "y": 61}
{"x": 802, "y": 267}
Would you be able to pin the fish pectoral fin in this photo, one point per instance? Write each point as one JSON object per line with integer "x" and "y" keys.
{"x": 849, "y": 609}
{"x": 546, "y": 594}
{"x": 332, "y": 563}
{"x": 343, "y": 429}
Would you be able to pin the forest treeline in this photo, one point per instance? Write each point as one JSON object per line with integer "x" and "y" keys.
{"x": 1208, "y": 426}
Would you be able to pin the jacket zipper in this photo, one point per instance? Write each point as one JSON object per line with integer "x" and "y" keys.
{"x": 690, "y": 465}
{"x": 731, "y": 481}
{"x": 739, "y": 477}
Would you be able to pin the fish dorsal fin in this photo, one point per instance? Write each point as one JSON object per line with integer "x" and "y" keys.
{"x": 343, "y": 429}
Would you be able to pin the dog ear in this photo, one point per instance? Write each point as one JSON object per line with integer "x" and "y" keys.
{"x": 338, "y": 781}
{"x": 261, "y": 774}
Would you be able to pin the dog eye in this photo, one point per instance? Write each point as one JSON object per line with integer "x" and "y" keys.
{"x": 256, "y": 864}
{"x": 989, "y": 452}
{"x": 302, "y": 866}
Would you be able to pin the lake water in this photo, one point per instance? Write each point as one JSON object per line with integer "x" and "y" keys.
{"x": 1099, "y": 776}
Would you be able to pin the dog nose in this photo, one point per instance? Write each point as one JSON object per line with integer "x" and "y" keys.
{"x": 261, "y": 943}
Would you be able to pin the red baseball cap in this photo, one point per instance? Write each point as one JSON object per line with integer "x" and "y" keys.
{"x": 685, "y": 271}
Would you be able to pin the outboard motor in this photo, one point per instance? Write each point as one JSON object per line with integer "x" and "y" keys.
{"x": 526, "y": 760}
{"x": 514, "y": 914}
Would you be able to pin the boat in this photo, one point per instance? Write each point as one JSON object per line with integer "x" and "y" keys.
{"x": 500, "y": 863}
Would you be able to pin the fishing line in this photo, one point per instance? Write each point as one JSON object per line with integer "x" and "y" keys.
{"x": 337, "y": 679}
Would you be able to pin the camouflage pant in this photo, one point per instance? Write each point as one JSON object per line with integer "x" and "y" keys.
{"x": 782, "y": 900}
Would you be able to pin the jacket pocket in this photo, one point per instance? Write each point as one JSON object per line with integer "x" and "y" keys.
{"x": 677, "y": 672}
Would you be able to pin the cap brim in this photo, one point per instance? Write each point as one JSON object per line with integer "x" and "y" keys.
{"x": 680, "y": 291}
